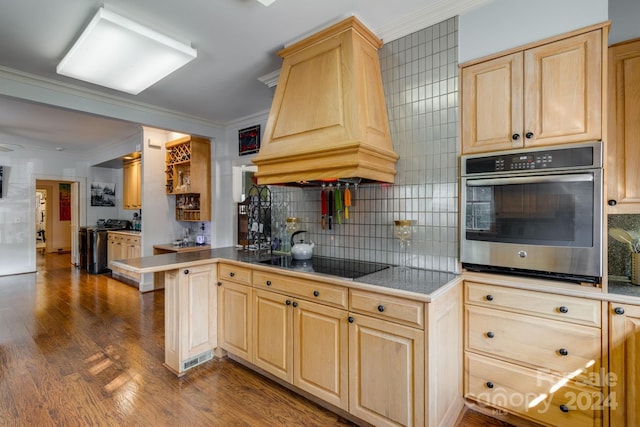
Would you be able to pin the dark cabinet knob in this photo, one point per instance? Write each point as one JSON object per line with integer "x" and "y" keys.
{"x": 612, "y": 202}
{"x": 232, "y": 274}
{"x": 219, "y": 283}
{"x": 528, "y": 135}
{"x": 489, "y": 384}
{"x": 618, "y": 310}
{"x": 186, "y": 271}
{"x": 268, "y": 282}
{"x": 515, "y": 136}
{"x": 295, "y": 304}
{"x": 563, "y": 309}
{"x": 563, "y": 352}
{"x": 316, "y": 293}
{"x": 288, "y": 302}
{"x": 564, "y": 408}
{"x": 351, "y": 319}
{"x": 490, "y": 334}
{"x": 381, "y": 308}
{"x": 489, "y": 297}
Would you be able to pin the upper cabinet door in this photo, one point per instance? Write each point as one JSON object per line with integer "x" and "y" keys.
{"x": 492, "y": 105}
{"x": 549, "y": 92}
{"x": 563, "y": 91}
{"x": 623, "y": 141}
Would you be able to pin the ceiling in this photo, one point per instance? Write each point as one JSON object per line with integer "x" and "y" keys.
{"x": 236, "y": 40}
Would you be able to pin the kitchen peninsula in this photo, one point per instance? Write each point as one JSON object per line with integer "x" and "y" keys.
{"x": 338, "y": 341}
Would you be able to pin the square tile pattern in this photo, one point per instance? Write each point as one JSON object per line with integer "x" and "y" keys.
{"x": 420, "y": 77}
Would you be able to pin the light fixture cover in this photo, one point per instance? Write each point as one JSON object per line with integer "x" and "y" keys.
{"x": 121, "y": 54}
{"x": 266, "y": 2}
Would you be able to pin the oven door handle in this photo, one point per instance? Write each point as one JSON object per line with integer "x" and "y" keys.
{"x": 578, "y": 177}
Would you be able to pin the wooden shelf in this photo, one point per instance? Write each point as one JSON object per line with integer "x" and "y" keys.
{"x": 188, "y": 177}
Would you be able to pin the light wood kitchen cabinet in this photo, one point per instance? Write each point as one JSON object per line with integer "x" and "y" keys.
{"x": 190, "y": 316}
{"x": 235, "y": 311}
{"x": 547, "y": 93}
{"x": 320, "y": 351}
{"x": 623, "y": 142}
{"x": 123, "y": 245}
{"x": 188, "y": 177}
{"x": 273, "y": 333}
{"x": 546, "y": 349}
{"x": 624, "y": 354}
{"x": 303, "y": 343}
{"x": 386, "y": 372}
{"x": 132, "y": 184}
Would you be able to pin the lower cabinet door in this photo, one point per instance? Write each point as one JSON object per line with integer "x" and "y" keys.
{"x": 272, "y": 331}
{"x": 235, "y": 307}
{"x": 386, "y": 372}
{"x": 624, "y": 360}
{"x": 320, "y": 352}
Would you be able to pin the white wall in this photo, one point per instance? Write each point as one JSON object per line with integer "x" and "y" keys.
{"x": 625, "y": 18}
{"x": 504, "y": 24}
{"x": 17, "y": 206}
{"x": 225, "y": 157}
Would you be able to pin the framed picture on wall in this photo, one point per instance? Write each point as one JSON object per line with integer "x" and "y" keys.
{"x": 249, "y": 140}
{"x": 103, "y": 194}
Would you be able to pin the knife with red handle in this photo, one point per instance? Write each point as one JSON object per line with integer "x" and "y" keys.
{"x": 330, "y": 200}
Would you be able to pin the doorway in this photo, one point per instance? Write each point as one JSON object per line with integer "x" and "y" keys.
{"x": 56, "y": 220}
{"x": 42, "y": 217}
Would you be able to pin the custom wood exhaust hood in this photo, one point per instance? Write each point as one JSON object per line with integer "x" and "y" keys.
{"x": 328, "y": 119}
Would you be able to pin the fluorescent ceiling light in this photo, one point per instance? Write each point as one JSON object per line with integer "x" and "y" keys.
{"x": 115, "y": 52}
{"x": 266, "y": 2}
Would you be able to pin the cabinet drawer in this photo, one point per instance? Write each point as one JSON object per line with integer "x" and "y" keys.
{"x": 532, "y": 394}
{"x": 570, "y": 309}
{"x": 388, "y": 307}
{"x": 234, "y": 273}
{"x": 308, "y": 289}
{"x": 570, "y": 350}
{"x": 133, "y": 240}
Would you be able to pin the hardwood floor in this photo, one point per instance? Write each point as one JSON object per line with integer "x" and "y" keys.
{"x": 79, "y": 349}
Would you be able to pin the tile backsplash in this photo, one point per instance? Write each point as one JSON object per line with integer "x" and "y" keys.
{"x": 420, "y": 77}
{"x": 619, "y": 255}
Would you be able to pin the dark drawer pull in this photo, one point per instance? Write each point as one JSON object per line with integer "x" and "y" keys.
{"x": 563, "y": 309}
{"x": 619, "y": 310}
{"x": 381, "y": 308}
{"x": 232, "y": 274}
{"x": 316, "y": 293}
{"x": 564, "y": 408}
{"x": 295, "y": 304}
{"x": 489, "y": 297}
{"x": 268, "y": 282}
{"x": 287, "y": 302}
{"x": 351, "y": 319}
{"x": 219, "y": 283}
{"x": 490, "y": 334}
{"x": 489, "y": 384}
{"x": 528, "y": 135}
{"x": 563, "y": 352}
{"x": 186, "y": 271}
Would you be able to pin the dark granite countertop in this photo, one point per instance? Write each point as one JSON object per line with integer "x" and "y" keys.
{"x": 421, "y": 284}
{"x": 620, "y": 291}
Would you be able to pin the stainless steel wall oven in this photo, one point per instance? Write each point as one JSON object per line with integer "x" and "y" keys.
{"x": 536, "y": 211}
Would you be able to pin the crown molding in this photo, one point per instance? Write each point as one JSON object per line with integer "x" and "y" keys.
{"x": 31, "y": 87}
{"x": 435, "y": 13}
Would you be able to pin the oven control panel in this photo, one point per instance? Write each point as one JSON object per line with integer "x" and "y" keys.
{"x": 548, "y": 159}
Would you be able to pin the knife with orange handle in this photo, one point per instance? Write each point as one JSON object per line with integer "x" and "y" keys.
{"x": 347, "y": 202}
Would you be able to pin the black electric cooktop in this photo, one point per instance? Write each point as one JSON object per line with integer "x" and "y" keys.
{"x": 345, "y": 268}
